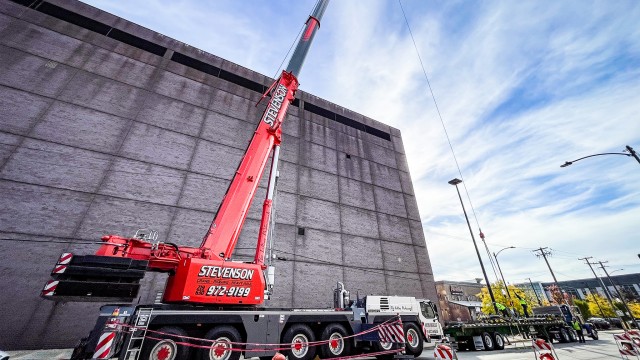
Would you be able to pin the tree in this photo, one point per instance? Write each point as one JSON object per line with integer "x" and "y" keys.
{"x": 583, "y": 305}
{"x": 599, "y": 305}
{"x": 501, "y": 296}
{"x": 634, "y": 306}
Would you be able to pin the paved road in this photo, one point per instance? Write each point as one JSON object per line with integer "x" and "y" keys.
{"x": 602, "y": 349}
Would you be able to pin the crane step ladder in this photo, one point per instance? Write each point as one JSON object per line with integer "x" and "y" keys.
{"x": 138, "y": 333}
{"x": 628, "y": 344}
{"x": 543, "y": 350}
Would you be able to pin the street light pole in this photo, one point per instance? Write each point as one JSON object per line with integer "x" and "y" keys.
{"x": 628, "y": 148}
{"x": 455, "y": 183}
{"x": 504, "y": 282}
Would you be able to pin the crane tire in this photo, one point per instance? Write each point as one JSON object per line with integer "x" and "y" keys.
{"x": 294, "y": 338}
{"x": 222, "y": 347}
{"x": 413, "y": 339}
{"x": 167, "y": 346}
{"x": 337, "y": 345}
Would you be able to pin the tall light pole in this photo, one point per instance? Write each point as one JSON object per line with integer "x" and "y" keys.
{"x": 455, "y": 183}
{"x": 628, "y": 148}
{"x": 615, "y": 271}
{"x": 495, "y": 255}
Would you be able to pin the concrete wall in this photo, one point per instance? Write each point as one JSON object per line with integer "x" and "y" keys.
{"x": 98, "y": 136}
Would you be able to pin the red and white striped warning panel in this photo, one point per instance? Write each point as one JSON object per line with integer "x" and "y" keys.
{"x": 391, "y": 333}
{"x": 539, "y": 344}
{"x": 65, "y": 258}
{"x": 425, "y": 332}
{"x": 543, "y": 349}
{"x": 50, "y": 288}
{"x": 62, "y": 263}
{"x": 443, "y": 352}
{"x": 103, "y": 349}
{"x": 626, "y": 346}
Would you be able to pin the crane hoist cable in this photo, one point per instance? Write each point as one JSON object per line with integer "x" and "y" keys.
{"x": 455, "y": 159}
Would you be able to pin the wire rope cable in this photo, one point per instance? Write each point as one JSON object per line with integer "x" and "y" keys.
{"x": 455, "y": 159}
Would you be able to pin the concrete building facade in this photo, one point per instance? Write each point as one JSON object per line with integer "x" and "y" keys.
{"x": 107, "y": 127}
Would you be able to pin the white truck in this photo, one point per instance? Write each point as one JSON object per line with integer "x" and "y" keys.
{"x": 408, "y": 305}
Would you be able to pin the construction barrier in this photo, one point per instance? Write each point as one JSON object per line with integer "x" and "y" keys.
{"x": 635, "y": 337}
{"x": 390, "y": 331}
{"x": 543, "y": 350}
{"x": 627, "y": 345}
{"x": 444, "y": 352}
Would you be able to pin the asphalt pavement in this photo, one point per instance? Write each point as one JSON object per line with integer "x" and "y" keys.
{"x": 602, "y": 349}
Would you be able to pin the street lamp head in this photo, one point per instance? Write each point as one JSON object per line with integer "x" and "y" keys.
{"x": 567, "y": 163}
{"x": 455, "y": 181}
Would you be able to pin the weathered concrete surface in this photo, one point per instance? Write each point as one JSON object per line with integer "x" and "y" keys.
{"x": 101, "y": 137}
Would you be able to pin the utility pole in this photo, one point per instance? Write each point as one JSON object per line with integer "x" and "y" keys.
{"x": 624, "y": 302}
{"x": 544, "y": 253}
{"x": 534, "y": 292}
{"x": 604, "y": 288}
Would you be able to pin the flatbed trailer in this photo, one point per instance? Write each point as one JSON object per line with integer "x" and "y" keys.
{"x": 490, "y": 334}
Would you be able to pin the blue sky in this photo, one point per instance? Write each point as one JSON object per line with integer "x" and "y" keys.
{"x": 521, "y": 87}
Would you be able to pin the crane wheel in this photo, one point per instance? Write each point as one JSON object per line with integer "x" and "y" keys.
{"x": 167, "y": 348}
{"x": 224, "y": 345}
{"x": 413, "y": 338}
{"x": 338, "y": 346}
{"x": 298, "y": 336}
{"x": 385, "y": 346}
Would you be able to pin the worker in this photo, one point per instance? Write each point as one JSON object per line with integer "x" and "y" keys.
{"x": 578, "y": 328}
{"x": 502, "y": 309}
{"x": 523, "y": 303}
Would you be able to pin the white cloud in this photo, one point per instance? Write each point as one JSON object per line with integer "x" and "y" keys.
{"x": 569, "y": 68}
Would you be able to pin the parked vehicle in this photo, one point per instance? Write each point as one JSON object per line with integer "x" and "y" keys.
{"x": 599, "y": 323}
{"x": 615, "y": 322}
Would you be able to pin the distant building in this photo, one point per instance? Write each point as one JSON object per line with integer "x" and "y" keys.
{"x": 629, "y": 284}
{"x": 536, "y": 291}
{"x": 458, "y": 301}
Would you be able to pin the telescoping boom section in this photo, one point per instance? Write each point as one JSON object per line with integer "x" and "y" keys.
{"x": 202, "y": 274}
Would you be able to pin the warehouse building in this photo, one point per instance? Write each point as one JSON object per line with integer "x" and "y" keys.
{"x": 107, "y": 127}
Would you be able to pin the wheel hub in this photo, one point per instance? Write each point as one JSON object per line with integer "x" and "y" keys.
{"x": 164, "y": 350}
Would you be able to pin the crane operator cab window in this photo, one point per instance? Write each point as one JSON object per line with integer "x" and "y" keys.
{"x": 427, "y": 310}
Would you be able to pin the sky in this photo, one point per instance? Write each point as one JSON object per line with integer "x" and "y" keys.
{"x": 514, "y": 88}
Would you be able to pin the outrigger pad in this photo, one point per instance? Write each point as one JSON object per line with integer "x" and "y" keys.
{"x": 92, "y": 278}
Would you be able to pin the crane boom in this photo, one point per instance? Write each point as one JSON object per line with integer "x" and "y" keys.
{"x": 203, "y": 274}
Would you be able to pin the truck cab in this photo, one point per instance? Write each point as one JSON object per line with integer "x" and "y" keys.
{"x": 425, "y": 309}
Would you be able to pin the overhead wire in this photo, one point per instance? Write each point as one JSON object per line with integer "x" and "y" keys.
{"x": 424, "y": 71}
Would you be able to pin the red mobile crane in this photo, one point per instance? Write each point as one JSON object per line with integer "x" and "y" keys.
{"x": 202, "y": 275}
{"x": 209, "y": 307}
